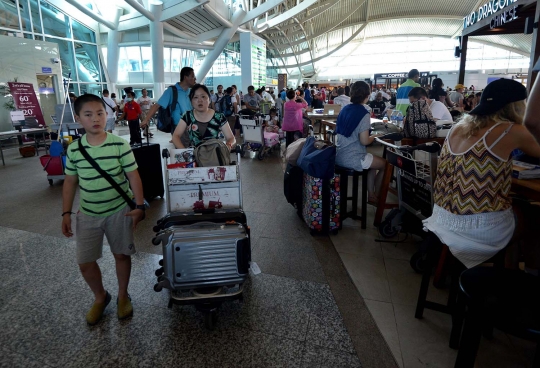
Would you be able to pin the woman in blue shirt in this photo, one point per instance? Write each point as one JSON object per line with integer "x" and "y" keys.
{"x": 352, "y": 128}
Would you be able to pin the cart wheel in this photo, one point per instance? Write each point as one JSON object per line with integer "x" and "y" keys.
{"x": 157, "y": 288}
{"x": 260, "y": 156}
{"x": 159, "y": 272}
{"x": 242, "y": 150}
{"x": 210, "y": 319}
{"x": 161, "y": 262}
{"x": 386, "y": 230}
{"x": 418, "y": 261}
{"x": 50, "y": 182}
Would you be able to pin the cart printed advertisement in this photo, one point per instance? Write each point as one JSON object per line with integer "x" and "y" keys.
{"x": 226, "y": 198}
{"x": 417, "y": 193}
{"x": 199, "y": 175}
{"x": 26, "y": 100}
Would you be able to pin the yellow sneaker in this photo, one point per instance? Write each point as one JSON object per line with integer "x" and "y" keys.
{"x": 96, "y": 312}
{"x": 124, "y": 309}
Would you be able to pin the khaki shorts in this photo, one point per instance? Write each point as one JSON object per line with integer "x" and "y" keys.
{"x": 89, "y": 231}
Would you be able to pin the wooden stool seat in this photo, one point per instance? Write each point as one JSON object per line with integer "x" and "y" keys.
{"x": 344, "y": 174}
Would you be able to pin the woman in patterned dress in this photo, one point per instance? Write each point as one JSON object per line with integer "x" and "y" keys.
{"x": 473, "y": 210}
{"x": 202, "y": 122}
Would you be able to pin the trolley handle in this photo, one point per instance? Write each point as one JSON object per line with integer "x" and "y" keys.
{"x": 430, "y": 147}
{"x": 396, "y": 137}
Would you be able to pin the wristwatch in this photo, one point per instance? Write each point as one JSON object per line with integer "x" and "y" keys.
{"x": 140, "y": 207}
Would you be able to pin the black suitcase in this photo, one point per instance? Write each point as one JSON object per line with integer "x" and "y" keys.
{"x": 148, "y": 158}
{"x": 177, "y": 218}
{"x": 293, "y": 185}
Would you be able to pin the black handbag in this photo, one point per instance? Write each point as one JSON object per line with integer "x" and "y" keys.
{"x": 419, "y": 122}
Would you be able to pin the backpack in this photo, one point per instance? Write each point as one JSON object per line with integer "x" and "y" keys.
{"x": 212, "y": 152}
{"x": 225, "y": 105}
{"x": 419, "y": 122}
{"x": 165, "y": 122}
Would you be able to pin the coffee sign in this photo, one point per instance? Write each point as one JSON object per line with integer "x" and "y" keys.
{"x": 490, "y": 8}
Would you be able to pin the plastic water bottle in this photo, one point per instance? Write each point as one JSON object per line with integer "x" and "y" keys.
{"x": 393, "y": 117}
{"x": 399, "y": 118}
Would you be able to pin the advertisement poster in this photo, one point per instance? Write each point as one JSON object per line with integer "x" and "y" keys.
{"x": 26, "y": 100}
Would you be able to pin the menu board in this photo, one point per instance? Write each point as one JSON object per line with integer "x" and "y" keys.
{"x": 258, "y": 62}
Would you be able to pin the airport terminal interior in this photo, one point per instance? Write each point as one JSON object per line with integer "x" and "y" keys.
{"x": 339, "y": 272}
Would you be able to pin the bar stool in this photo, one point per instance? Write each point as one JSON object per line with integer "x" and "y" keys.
{"x": 344, "y": 174}
{"x": 454, "y": 307}
{"x": 505, "y": 299}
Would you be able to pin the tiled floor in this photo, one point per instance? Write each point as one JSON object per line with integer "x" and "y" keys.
{"x": 301, "y": 311}
{"x": 318, "y": 303}
{"x": 389, "y": 286}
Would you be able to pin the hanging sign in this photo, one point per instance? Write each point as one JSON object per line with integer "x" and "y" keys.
{"x": 398, "y": 75}
{"x": 26, "y": 100}
{"x": 488, "y": 9}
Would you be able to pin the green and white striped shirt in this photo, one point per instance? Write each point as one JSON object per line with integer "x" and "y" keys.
{"x": 97, "y": 197}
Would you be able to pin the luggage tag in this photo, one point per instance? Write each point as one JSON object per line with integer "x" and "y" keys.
{"x": 254, "y": 268}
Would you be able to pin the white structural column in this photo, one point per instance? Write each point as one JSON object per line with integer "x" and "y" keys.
{"x": 113, "y": 39}
{"x": 156, "y": 39}
{"x": 219, "y": 45}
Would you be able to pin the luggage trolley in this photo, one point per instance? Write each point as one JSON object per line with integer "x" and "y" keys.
{"x": 205, "y": 238}
{"x": 416, "y": 170}
{"x": 255, "y": 138}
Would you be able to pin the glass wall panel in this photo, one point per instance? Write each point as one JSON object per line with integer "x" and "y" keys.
{"x": 34, "y": 12}
{"x": 55, "y": 23}
{"x": 166, "y": 59}
{"x": 9, "y": 17}
{"x": 176, "y": 60}
{"x": 134, "y": 58}
{"x": 94, "y": 89}
{"x": 146, "y": 53}
{"x": 82, "y": 33}
{"x": 87, "y": 62}
{"x": 66, "y": 56}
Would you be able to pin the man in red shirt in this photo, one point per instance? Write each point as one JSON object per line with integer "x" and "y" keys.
{"x": 132, "y": 113}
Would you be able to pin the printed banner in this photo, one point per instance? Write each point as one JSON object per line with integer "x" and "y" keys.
{"x": 26, "y": 100}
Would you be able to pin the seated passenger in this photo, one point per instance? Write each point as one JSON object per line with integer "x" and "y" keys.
{"x": 378, "y": 103}
{"x": 202, "y": 122}
{"x": 342, "y": 99}
{"x": 438, "y": 110}
{"x": 473, "y": 214}
{"x": 352, "y": 128}
{"x": 271, "y": 121}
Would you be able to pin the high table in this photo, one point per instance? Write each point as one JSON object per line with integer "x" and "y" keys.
{"x": 332, "y": 125}
{"x": 13, "y": 133}
{"x": 529, "y": 188}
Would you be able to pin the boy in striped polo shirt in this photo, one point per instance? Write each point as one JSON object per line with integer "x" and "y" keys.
{"x": 102, "y": 210}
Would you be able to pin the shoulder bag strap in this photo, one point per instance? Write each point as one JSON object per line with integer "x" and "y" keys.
{"x": 105, "y": 175}
{"x": 112, "y": 108}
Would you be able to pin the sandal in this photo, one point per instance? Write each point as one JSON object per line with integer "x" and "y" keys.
{"x": 124, "y": 308}
{"x": 96, "y": 312}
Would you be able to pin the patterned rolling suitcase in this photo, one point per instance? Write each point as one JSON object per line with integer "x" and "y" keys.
{"x": 320, "y": 199}
{"x": 204, "y": 254}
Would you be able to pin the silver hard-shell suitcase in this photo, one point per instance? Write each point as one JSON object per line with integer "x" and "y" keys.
{"x": 204, "y": 254}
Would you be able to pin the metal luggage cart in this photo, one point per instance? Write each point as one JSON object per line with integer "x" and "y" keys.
{"x": 416, "y": 168}
{"x": 185, "y": 196}
{"x": 253, "y": 129}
